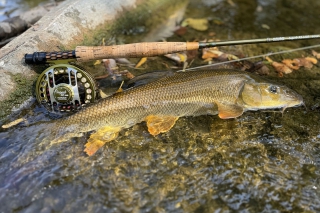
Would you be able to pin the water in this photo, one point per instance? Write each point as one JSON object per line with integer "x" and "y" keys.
{"x": 260, "y": 162}
{"x": 11, "y": 8}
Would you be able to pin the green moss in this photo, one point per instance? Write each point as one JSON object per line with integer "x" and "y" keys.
{"x": 134, "y": 24}
{"x": 23, "y": 91}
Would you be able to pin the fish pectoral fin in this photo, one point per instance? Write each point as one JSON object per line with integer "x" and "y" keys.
{"x": 229, "y": 110}
{"x": 160, "y": 123}
{"x": 99, "y": 138}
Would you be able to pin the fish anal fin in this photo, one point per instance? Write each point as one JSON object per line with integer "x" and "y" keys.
{"x": 99, "y": 138}
{"x": 160, "y": 123}
{"x": 229, "y": 110}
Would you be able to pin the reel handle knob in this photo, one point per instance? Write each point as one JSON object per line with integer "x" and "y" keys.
{"x": 45, "y": 57}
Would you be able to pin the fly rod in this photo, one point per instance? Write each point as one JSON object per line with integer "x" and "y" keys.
{"x": 144, "y": 49}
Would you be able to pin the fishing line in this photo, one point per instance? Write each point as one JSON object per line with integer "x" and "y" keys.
{"x": 252, "y": 57}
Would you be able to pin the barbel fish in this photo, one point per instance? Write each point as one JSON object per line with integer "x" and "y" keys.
{"x": 226, "y": 93}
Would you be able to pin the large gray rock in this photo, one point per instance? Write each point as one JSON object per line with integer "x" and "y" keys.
{"x": 74, "y": 22}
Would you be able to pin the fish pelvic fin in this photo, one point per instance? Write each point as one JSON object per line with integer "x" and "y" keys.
{"x": 160, "y": 123}
{"x": 227, "y": 111}
{"x": 100, "y": 137}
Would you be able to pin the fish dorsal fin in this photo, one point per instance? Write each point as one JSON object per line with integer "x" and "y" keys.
{"x": 100, "y": 137}
{"x": 160, "y": 123}
{"x": 229, "y": 110}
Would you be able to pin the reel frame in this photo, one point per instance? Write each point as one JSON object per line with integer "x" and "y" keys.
{"x": 65, "y": 88}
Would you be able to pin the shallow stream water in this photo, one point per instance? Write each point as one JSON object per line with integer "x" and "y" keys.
{"x": 11, "y": 8}
{"x": 259, "y": 162}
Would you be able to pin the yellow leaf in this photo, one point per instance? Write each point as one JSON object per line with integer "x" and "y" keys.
{"x": 13, "y": 123}
{"x": 97, "y": 62}
{"x": 312, "y": 60}
{"x": 142, "y": 61}
{"x": 269, "y": 59}
{"x": 177, "y": 57}
{"x": 197, "y": 24}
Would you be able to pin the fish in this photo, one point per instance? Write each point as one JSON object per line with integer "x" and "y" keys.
{"x": 226, "y": 93}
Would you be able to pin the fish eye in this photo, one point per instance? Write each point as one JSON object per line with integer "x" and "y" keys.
{"x": 273, "y": 89}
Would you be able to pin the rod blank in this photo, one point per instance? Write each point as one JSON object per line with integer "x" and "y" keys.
{"x": 145, "y": 49}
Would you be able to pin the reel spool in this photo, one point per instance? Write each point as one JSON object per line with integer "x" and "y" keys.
{"x": 65, "y": 88}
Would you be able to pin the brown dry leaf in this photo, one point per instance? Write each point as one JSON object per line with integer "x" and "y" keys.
{"x": 181, "y": 31}
{"x": 127, "y": 74}
{"x": 197, "y": 24}
{"x": 316, "y": 54}
{"x": 281, "y": 68}
{"x": 211, "y": 53}
{"x": 142, "y": 61}
{"x": 292, "y": 64}
{"x": 305, "y": 62}
{"x": 192, "y": 54}
{"x": 211, "y": 34}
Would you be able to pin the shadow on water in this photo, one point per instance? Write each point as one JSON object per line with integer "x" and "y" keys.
{"x": 260, "y": 162}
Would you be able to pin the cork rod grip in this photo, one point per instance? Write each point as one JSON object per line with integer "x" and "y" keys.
{"x": 135, "y": 50}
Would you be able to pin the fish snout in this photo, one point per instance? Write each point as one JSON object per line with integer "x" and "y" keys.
{"x": 292, "y": 98}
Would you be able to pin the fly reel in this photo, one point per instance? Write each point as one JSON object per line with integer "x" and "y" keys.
{"x": 65, "y": 88}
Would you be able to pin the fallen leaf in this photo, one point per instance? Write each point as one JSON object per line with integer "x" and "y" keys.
{"x": 264, "y": 70}
{"x": 292, "y": 64}
{"x": 306, "y": 62}
{"x": 259, "y": 9}
{"x": 197, "y": 24}
{"x": 218, "y": 22}
{"x": 264, "y": 26}
{"x": 127, "y": 74}
{"x": 14, "y": 123}
{"x": 142, "y": 61}
{"x": 110, "y": 65}
{"x": 181, "y": 31}
{"x": 316, "y": 54}
{"x": 177, "y": 57}
{"x": 232, "y": 57}
{"x": 102, "y": 94}
{"x": 269, "y": 59}
{"x": 312, "y": 60}
{"x": 211, "y": 53}
{"x": 120, "y": 88}
{"x": 232, "y": 4}
{"x": 212, "y": 34}
{"x": 192, "y": 54}
{"x": 123, "y": 61}
{"x": 97, "y": 62}
{"x": 281, "y": 68}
